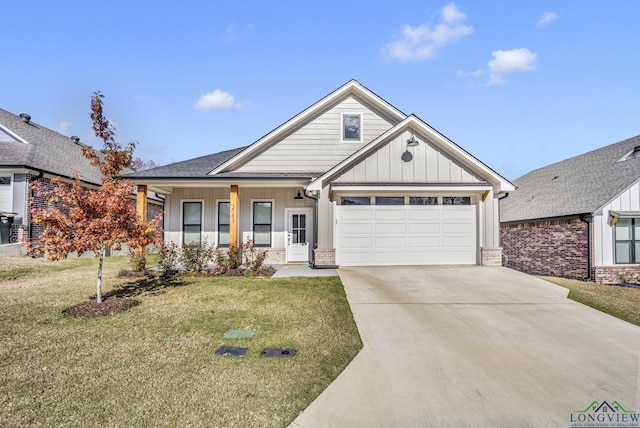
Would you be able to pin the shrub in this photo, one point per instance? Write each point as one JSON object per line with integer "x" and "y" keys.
{"x": 169, "y": 258}
{"x": 195, "y": 256}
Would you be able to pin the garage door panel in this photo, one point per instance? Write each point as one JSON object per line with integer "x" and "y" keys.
{"x": 358, "y": 228}
{"x": 405, "y": 235}
{"x": 430, "y": 228}
{"x": 386, "y": 214}
{"x": 457, "y": 228}
{"x": 423, "y": 213}
{"x": 390, "y": 242}
{"x": 357, "y": 213}
{"x": 357, "y": 241}
{"x": 390, "y": 228}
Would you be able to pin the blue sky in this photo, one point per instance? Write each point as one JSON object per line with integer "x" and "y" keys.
{"x": 517, "y": 84}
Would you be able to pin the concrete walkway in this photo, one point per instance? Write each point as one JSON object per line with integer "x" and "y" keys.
{"x": 301, "y": 270}
{"x": 475, "y": 347}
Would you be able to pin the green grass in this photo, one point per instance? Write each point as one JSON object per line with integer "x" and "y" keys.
{"x": 154, "y": 365}
{"x": 620, "y": 302}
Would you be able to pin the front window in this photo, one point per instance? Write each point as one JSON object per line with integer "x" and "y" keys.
{"x": 191, "y": 221}
{"x": 627, "y": 233}
{"x": 262, "y": 223}
{"x": 223, "y": 223}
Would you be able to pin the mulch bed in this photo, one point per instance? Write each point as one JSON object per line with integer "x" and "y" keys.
{"x": 92, "y": 309}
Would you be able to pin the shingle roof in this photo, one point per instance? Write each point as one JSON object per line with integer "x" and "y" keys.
{"x": 45, "y": 150}
{"x": 192, "y": 168}
{"x": 579, "y": 185}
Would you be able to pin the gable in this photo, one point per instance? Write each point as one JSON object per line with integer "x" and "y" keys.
{"x": 433, "y": 159}
{"x": 317, "y": 145}
{"x": 395, "y": 162}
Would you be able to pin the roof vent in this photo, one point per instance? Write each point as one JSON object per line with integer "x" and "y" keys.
{"x": 635, "y": 153}
{"x": 76, "y": 139}
{"x": 25, "y": 117}
{"x": 555, "y": 177}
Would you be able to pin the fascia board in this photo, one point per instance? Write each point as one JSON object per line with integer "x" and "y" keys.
{"x": 13, "y": 134}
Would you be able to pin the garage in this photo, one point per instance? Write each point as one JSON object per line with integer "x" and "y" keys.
{"x": 372, "y": 235}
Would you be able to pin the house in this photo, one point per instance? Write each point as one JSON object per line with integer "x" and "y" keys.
{"x": 578, "y": 218}
{"x": 351, "y": 180}
{"x": 30, "y": 152}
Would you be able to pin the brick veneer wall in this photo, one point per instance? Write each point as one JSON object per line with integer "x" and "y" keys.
{"x": 555, "y": 247}
{"x": 325, "y": 256}
{"x": 616, "y": 274}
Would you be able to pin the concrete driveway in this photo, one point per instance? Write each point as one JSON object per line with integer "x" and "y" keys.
{"x": 475, "y": 346}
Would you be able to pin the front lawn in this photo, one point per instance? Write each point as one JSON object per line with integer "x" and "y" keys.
{"x": 621, "y": 302}
{"x": 154, "y": 365}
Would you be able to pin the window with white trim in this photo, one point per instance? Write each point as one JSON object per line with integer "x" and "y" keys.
{"x": 352, "y": 127}
{"x": 262, "y": 223}
{"x": 224, "y": 220}
{"x": 627, "y": 237}
{"x": 191, "y": 221}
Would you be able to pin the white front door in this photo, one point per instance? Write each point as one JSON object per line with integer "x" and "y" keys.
{"x": 299, "y": 230}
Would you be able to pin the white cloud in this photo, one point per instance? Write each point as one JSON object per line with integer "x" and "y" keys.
{"x": 215, "y": 100}
{"x": 507, "y": 62}
{"x": 64, "y": 127}
{"x": 547, "y": 18}
{"x": 424, "y": 41}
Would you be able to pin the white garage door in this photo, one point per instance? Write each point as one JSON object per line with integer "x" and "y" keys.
{"x": 370, "y": 235}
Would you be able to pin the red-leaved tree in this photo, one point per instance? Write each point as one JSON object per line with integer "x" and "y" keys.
{"x": 81, "y": 220}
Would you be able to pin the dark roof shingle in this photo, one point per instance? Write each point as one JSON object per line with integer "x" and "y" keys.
{"x": 45, "y": 150}
{"x": 580, "y": 185}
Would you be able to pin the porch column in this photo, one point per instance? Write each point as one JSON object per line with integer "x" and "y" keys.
{"x": 141, "y": 202}
{"x": 234, "y": 209}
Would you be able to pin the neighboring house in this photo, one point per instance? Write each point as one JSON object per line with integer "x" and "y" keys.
{"x": 31, "y": 152}
{"x": 351, "y": 180}
{"x": 579, "y": 218}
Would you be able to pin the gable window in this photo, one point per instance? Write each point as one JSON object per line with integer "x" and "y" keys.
{"x": 627, "y": 234}
{"x": 352, "y": 127}
{"x": 223, "y": 223}
{"x": 389, "y": 200}
{"x": 355, "y": 200}
{"x": 423, "y": 200}
{"x": 262, "y": 222}
{"x": 191, "y": 222}
{"x": 456, "y": 200}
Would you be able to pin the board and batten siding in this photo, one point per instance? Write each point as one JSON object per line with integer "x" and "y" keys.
{"x": 429, "y": 165}
{"x": 281, "y": 197}
{"x": 603, "y": 234}
{"x": 317, "y": 145}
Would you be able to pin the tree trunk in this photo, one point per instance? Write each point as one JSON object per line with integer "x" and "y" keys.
{"x": 99, "y": 285}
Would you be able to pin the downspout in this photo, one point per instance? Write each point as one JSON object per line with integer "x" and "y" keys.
{"x": 588, "y": 219}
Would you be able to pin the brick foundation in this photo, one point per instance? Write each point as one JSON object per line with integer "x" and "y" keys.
{"x": 275, "y": 256}
{"x": 325, "y": 256}
{"x": 554, "y": 248}
{"x": 491, "y": 256}
{"x": 616, "y": 274}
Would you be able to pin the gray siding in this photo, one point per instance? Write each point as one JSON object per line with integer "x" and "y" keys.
{"x": 429, "y": 165}
{"x": 317, "y": 146}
